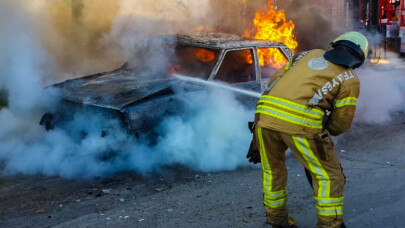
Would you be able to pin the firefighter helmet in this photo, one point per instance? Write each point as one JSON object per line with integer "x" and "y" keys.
{"x": 357, "y": 38}
{"x": 355, "y": 44}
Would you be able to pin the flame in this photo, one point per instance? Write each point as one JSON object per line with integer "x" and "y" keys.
{"x": 380, "y": 61}
{"x": 272, "y": 25}
{"x": 174, "y": 69}
{"x": 205, "y": 55}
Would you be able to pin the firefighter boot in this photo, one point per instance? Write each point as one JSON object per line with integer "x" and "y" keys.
{"x": 292, "y": 223}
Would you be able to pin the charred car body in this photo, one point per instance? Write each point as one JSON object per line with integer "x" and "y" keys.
{"x": 144, "y": 91}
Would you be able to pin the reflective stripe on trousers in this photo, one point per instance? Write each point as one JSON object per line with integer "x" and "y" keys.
{"x": 325, "y": 205}
{"x": 328, "y": 179}
{"x": 273, "y": 199}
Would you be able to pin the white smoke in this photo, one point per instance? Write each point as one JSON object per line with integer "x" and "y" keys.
{"x": 138, "y": 20}
{"x": 214, "y": 138}
{"x": 23, "y": 62}
{"x": 212, "y": 134}
{"x": 382, "y": 92}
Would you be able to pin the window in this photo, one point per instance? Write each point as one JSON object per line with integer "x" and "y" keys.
{"x": 194, "y": 61}
{"x": 271, "y": 59}
{"x": 237, "y": 67}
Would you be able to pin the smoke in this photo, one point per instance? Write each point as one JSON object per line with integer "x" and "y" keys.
{"x": 88, "y": 36}
{"x": 41, "y": 41}
{"x": 137, "y": 21}
{"x": 71, "y": 34}
{"x": 382, "y": 92}
{"x": 316, "y": 25}
{"x": 212, "y": 135}
{"x": 23, "y": 63}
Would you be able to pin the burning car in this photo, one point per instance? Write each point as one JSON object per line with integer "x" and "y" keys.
{"x": 146, "y": 89}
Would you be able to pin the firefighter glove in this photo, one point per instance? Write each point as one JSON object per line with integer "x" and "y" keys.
{"x": 253, "y": 155}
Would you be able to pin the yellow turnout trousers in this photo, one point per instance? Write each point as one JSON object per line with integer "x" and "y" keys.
{"x": 316, "y": 154}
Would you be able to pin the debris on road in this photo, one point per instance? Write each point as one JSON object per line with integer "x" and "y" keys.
{"x": 41, "y": 211}
{"x": 106, "y": 191}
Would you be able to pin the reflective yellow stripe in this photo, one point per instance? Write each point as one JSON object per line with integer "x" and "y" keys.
{"x": 275, "y": 203}
{"x": 292, "y": 107}
{"x": 267, "y": 174}
{"x": 275, "y": 199}
{"x": 289, "y": 117}
{"x": 346, "y": 101}
{"x": 272, "y": 199}
{"x": 276, "y": 194}
{"x": 287, "y": 66}
{"x": 327, "y": 202}
{"x": 314, "y": 165}
{"x": 330, "y": 211}
{"x": 294, "y": 104}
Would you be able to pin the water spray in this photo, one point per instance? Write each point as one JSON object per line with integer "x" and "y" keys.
{"x": 218, "y": 85}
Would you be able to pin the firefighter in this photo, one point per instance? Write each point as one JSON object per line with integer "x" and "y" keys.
{"x": 309, "y": 99}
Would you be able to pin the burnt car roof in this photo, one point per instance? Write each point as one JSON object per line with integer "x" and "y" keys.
{"x": 221, "y": 41}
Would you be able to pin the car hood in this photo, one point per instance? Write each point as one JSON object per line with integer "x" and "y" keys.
{"x": 114, "y": 90}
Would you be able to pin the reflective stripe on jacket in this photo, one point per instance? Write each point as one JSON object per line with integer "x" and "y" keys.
{"x": 309, "y": 89}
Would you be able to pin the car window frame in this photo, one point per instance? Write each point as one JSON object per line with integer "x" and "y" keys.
{"x": 253, "y": 52}
{"x": 288, "y": 54}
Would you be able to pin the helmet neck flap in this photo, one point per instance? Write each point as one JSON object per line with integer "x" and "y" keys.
{"x": 345, "y": 53}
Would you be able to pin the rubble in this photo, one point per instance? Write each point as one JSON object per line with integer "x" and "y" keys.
{"x": 106, "y": 191}
{"x": 41, "y": 211}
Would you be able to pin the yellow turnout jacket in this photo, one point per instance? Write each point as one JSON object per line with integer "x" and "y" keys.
{"x": 311, "y": 94}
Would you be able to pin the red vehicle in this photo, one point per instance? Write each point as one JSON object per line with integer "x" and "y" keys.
{"x": 389, "y": 8}
{"x": 378, "y": 15}
{"x": 393, "y": 11}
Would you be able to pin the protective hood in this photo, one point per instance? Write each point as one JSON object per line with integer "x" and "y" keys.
{"x": 343, "y": 56}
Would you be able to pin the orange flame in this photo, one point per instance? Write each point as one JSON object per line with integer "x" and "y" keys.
{"x": 174, "y": 69}
{"x": 272, "y": 25}
{"x": 205, "y": 55}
